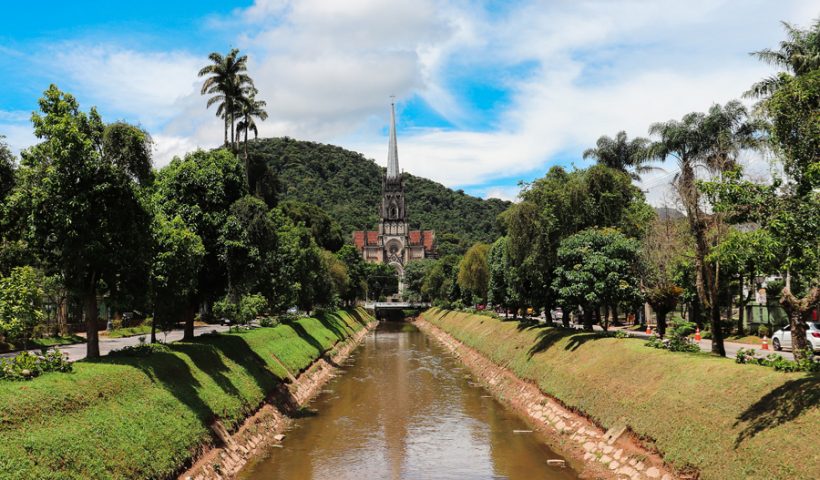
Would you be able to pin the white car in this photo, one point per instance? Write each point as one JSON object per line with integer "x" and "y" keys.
{"x": 783, "y": 337}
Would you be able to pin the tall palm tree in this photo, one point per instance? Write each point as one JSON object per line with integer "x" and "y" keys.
{"x": 710, "y": 141}
{"x": 249, "y": 108}
{"x": 798, "y": 54}
{"x": 226, "y": 82}
{"x": 621, "y": 154}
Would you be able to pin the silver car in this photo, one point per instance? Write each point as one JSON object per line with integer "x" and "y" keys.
{"x": 783, "y": 337}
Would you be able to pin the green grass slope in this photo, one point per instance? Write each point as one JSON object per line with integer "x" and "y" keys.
{"x": 348, "y": 186}
{"x": 726, "y": 420}
{"x": 144, "y": 417}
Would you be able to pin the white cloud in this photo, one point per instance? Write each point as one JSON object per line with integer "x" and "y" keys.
{"x": 144, "y": 86}
{"x": 326, "y": 70}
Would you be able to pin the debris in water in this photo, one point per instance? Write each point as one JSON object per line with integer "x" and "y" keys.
{"x": 522, "y": 431}
{"x": 279, "y": 437}
{"x": 556, "y": 462}
{"x": 486, "y": 396}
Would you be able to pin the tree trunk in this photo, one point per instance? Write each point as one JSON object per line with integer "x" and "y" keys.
{"x": 660, "y": 314}
{"x": 588, "y": 319}
{"x": 188, "y": 333}
{"x": 154, "y": 329}
{"x": 741, "y": 314}
{"x": 233, "y": 142}
{"x": 91, "y": 313}
{"x": 226, "y": 129}
{"x": 247, "y": 165}
{"x": 799, "y": 312}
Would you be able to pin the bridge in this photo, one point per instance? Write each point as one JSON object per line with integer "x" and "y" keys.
{"x": 395, "y": 310}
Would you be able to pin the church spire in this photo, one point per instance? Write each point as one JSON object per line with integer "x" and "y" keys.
{"x": 393, "y": 150}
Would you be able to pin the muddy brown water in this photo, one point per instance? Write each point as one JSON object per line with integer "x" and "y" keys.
{"x": 403, "y": 408}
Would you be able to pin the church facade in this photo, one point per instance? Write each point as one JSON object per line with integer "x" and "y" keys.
{"x": 393, "y": 242}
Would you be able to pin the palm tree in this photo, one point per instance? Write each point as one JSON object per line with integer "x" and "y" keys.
{"x": 226, "y": 83}
{"x": 249, "y": 108}
{"x": 798, "y": 54}
{"x": 621, "y": 154}
{"x": 710, "y": 141}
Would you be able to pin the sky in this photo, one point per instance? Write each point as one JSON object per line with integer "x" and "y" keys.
{"x": 488, "y": 94}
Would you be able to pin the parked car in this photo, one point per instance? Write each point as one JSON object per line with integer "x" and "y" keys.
{"x": 783, "y": 337}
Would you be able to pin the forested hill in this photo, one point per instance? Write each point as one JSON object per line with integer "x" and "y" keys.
{"x": 348, "y": 186}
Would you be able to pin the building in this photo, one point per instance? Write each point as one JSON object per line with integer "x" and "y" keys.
{"x": 394, "y": 243}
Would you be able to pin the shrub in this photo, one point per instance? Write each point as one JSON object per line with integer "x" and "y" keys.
{"x": 621, "y": 334}
{"x": 288, "y": 317}
{"x": 267, "y": 322}
{"x": 807, "y": 364}
{"x": 763, "y": 331}
{"x": 140, "y": 350}
{"x": 26, "y": 366}
{"x": 678, "y": 339}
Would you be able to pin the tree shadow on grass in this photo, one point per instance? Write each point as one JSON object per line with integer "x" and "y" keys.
{"x": 239, "y": 352}
{"x": 174, "y": 375}
{"x": 549, "y": 336}
{"x": 358, "y": 316}
{"x": 783, "y": 404}
{"x": 304, "y": 335}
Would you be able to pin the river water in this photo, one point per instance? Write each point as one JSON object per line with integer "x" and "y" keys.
{"x": 405, "y": 409}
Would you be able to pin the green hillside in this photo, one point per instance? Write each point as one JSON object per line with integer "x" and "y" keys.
{"x": 348, "y": 186}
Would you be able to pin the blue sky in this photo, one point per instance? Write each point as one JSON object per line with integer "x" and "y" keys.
{"x": 488, "y": 93}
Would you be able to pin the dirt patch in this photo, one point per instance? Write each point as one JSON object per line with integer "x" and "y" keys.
{"x": 266, "y": 427}
{"x": 595, "y": 453}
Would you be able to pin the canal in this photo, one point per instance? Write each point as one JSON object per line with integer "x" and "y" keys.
{"x": 404, "y": 409}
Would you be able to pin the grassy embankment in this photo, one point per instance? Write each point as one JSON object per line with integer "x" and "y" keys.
{"x": 144, "y": 417}
{"x": 44, "y": 342}
{"x": 729, "y": 421}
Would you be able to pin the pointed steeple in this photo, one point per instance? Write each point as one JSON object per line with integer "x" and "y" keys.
{"x": 393, "y": 149}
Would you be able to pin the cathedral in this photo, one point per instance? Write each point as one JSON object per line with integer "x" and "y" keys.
{"x": 394, "y": 243}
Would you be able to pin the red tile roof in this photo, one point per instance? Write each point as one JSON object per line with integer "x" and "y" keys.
{"x": 358, "y": 239}
{"x": 372, "y": 238}
{"x": 429, "y": 238}
{"x": 415, "y": 237}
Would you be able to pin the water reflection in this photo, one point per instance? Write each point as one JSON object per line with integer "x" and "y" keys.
{"x": 405, "y": 410}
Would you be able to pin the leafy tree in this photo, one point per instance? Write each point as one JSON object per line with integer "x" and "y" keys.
{"x": 712, "y": 141}
{"x": 86, "y": 213}
{"x": 326, "y": 232}
{"x": 789, "y": 211}
{"x": 227, "y": 82}
{"x": 248, "y": 241}
{"x": 798, "y": 54}
{"x": 382, "y": 280}
{"x": 309, "y": 278}
{"x": 497, "y": 263}
{"x": 177, "y": 260}
{"x": 356, "y": 272}
{"x": 128, "y": 147}
{"x": 21, "y": 295}
{"x": 414, "y": 274}
{"x": 596, "y": 268}
{"x": 200, "y": 189}
{"x": 438, "y": 280}
{"x": 621, "y": 154}
{"x": 6, "y": 169}
{"x": 249, "y": 109}
{"x": 337, "y": 273}
{"x": 474, "y": 271}
{"x": 664, "y": 247}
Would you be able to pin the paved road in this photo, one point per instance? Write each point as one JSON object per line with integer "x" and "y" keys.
{"x": 77, "y": 351}
{"x": 731, "y": 347}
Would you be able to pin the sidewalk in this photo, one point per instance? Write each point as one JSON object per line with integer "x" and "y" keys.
{"x": 706, "y": 345}
{"x": 77, "y": 351}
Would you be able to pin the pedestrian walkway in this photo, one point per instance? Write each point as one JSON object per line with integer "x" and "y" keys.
{"x": 77, "y": 351}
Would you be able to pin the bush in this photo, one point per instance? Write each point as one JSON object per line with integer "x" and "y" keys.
{"x": 763, "y": 331}
{"x": 140, "y": 350}
{"x": 678, "y": 339}
{"x": 621, "y": 334}
{"x": 26, "y": 366}
{"x": 267, "y": 322}
{"x": 807, "y": 364}
{"x": 288, "y": 317}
